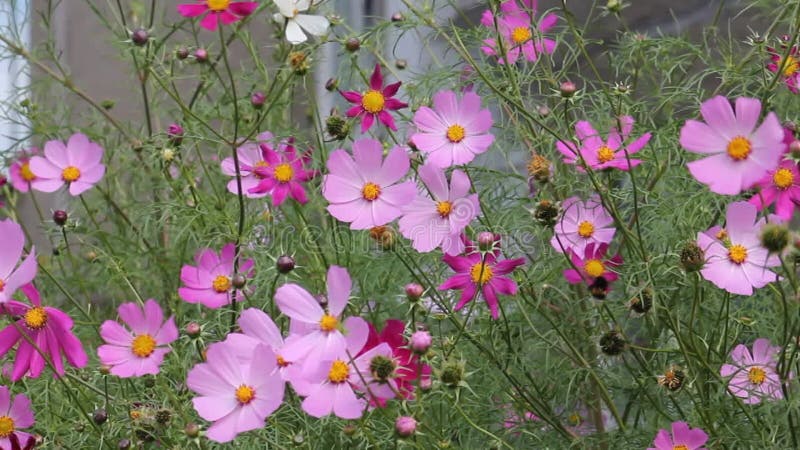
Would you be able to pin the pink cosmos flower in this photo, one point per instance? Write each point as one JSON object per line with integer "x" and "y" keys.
{"x": 283, "y": 174}
{"x": 789, "y": 67}
{"x": 236, "y": 396}
{"x": 735, "y": 259}
{"x": 12, "y": 276}
{"x": 599, "y": 154}
{"x": 141, "y": 350}
{"x": 476, "y": 272}
{"x": 740, "y": 153}
{"x": 453, "y": 132}
{"x": 20, "y": 170}
{"x": 780, "y": 186}
{"x": 408, "y": 363}
{"x": 375, "y": 102}
{"x": 210, "y": 282}
{"x": 215, "y": 11}
{"x": 582, "y": 224}
{"x": 50, "y": 329}
{"x": 682, "y": 437}
{"x": 76, "y": 164}
{"x": 366, "y": 192}
{"x": 15, "y": 414}
{"x": 518, "y": 32}
{"x": 594, "y": 264}
{"x": 754, "y": 376}
{"x": 250, "y": 158}
{"x": 439, "y": 221}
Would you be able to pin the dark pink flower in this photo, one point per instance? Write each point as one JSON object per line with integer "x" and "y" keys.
{"x": 15, "y": 414}
{"x": 408, "y": 363}
{"x": 284, "y": 173}
{"x": 788, "y": 67}
{"x": 599, "y": 154}
{"x": 593, "y": 264}
{"x": 519, "y": 32}
{"x": 20, "y": 170}
{"x": 375, "y": 102}
{"x": 215, "y": 11}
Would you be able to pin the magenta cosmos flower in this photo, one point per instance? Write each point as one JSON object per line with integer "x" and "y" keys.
{"x": 439, "y": 221}
{"x": 215, "y": 11}
{"x": 754, "y": 376}
{"x": 735, "y": 259}
{"x": 682, "y": 438}
{"x": 518, "y": 31}
{"x": 593, "y": 265}
{"x": 15, "y": 414}
{"x": 237, "y": 397}
{"x": 740, "y": 153}
{"x": 21, "y": 174}
{"x": 77, "y": 164}
{"x": 250, "y": 158}
{"x": 284, "y": 173}
{"x": 14, "y": 275}
{"x": 788, "y": 67}
{"x": 48, "y": 328}
{"x": 210, "y": 282}
{"x": 780, "y": 186}
{"x": 582, "y": 224}
{"x": 599, "y": 154}
{"x": 366, "y": 191}
{"x": 141, "y": 350}
{"x": 454, "y": 131}
{"x": 481, "y": 272}
{"x": 375, "y": 102}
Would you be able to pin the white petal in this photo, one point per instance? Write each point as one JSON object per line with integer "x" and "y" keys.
{"x": 294, "y": 33}
{"x": 286, "y": 7}
{"x": 316, "y": 25}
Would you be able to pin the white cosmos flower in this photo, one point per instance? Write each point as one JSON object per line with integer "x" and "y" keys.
{"x": 297, "y": 23}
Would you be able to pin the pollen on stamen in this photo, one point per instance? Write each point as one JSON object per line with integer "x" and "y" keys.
{"x": 6, "y": 426}
{"x": 520, "y": 35}
{"x": 605, "y": 154}
{"x": 737, "y": 253}
{"x": 26, "y": 173}
{"x": 339, "y": 372}
{"x": 143, "y": 345}
{"x": 70, "y": 174}
{"x": 284, "y": 173}
{"x": 373, "y": 101}
{"x": 221, "y": 284}
{"x": 783, "y": 179}
{"x": 245, "y": 394}
{"x": 594, "y": 268}
{"x": 585, "y": 229}
{"x": 456, "y": 133}
{"x": 444, "y": 208}
{"x": 370, "y": 191}
{"x": 481, "y": 273}
{"x": 328, "y": 323}
{"x": 36, "y": 318}
{"x": 756, "y": 375}
{"x": 739, "y": 148}
{"x": 218, "y": 5}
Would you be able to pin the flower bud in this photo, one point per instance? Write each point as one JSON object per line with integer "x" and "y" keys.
{"x": 405, "y": 426}
{"x": 384, "y": 236}
{"x": 331, "y": 84}
{"x": 167, "y": 155}
{"x": 257, "y": 99}
{"x": 401, "y": 64}
{"x": 452, "y": 373}
{"x": 567, "y": 89}
{"x": 382, "y": 368}
{"x": 614, "y": 6}
{"x": 238, "y": 281}
{"x": 426, "y": 383}
{"x": 546, "y": 213}
{"x": 337, "y": 127}
{"x": 60, "y": 217}
{"x": 124, "y": 444}
{"x": 100, "y": 416}
{"x": 643, "y": 302}
{"x": 543, "y": 110}
{"x": 201, "y": 55}
{"x": 612, "y": 343}
{"x": 175, "y": 133}
{"x": 485, "y": 241}
{"x": 421, "y": 342}
{"x": 193, "y": 329}
{"x": 352, "y": 44}
{"x": 414, "y": 291}
{"x": 349, "y": 429}
{"x": 191, "y": 430}
{"x": 3, "y": 180}
{"x": 299, "y": 63}
{"x": 775, "y": 237}
{"x": 182, "y": 53}
{"x": 397, "y": 17}
{"x": 692, "y": 257}
{"x": 284, "y": 264}
{"x": 140, "y": 36}
{"x": 794, "y": 148}
{"x": 104, "y": 369}
{"x": 163, "y": 416}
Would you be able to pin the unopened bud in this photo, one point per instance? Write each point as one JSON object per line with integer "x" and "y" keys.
{"x": 60, "y": 217}
{"x": 414, "y": 291}
{"x": 421, "y": 342}
{"x": 567, "y": 89}
{"x": 257, "y": 99}
{"x": 405, "y": 426}
{"x": 140, "y": 36}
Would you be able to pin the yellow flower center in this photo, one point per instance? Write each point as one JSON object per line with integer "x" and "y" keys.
{"x": 756, "y": 375}
{"x": 783, "y": 178}
{"x": 339, "y": 372}
{"x": 575, "y": 419}
{"x": 739, "y": 148}
{"x": 281, "y": 362}
{"x": 2, "y": 285}
{"x": 370, "y": 191}
{"x": 789, "y": 66}
{"x": 680, "y": 447}
{"x": 6, "y": 426}
{"x": 70, "y": 174}
{"x": 284, "y": 173}
{"x": 217, "y": 5}
{"x": 605, "y": 154}
{"x": 36, "y": 318}
{"x": 594, "y": 268}
{"x": 455, "y": 133}
{"x": 257, "y": 165}
{"x": 737, "y": 253}
{"x": 481, "y": 273}
{"x": 520, "y": 35}
{"x": 143, "y": 345}
{"x": 328, "y": 323}
{"x": 722, "y": 234}
{"x": 245, "y": 394}
{"x": 26, "y": 172}
{"x": 221, "y": 283}
{"x": 585, "y": 229}
{"x": 444, "y": 208}
{"x": 373, "y": 101}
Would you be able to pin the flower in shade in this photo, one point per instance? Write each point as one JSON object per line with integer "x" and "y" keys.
{"x": 13, "y": 274}
{"x": 780, "y": 185}
{"x": 582, "y": 224}
{"x": 735, "y": 259}
{"x": 592, "y": 265}
{"x": 216, "y": 11}
{"x": 599, "y": 154}
{"x": 439, "y": 221}
{"x": 15, "y": 414}
{"x": 297, "y": 25}
{"x": 48, "y": 329}
{"x": 77, "y": 164}
{"x": 481, "y": 272}
{"x": 407, "y": 362}
{"x": 754, "y": 376}
{"x": 283, "y": 174}
{"x": 250, "y": 158}
{"x": 740, "y": 154}
{"x": 236, "y": 396}
{"x": 140, "y": 350}
{"x": 681, "y": 438}
{"x": 20, "y": 170}
{"x": 365, "y": 190}
{"x": 210, "y": 282}
{"x": 454, "y": 131}
{"x": 375, "y": 102}
{"x": 789, "y": 67}
{"x": 518, "y": 31}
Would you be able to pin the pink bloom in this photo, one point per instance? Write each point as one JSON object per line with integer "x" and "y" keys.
{"x": 236, "y": 396}
{"x": 789, "y": 67}
{"x": 582, "y": 224}
{"x": 49, "y": 329}
{"x": 408, "y": 363}
{"x": 476, "y": 272}
{"x": 592, "y": 265}
{"x": 76, "y": 164}
{"x": 514, "y": 25}
{"x": 210, "y": 282}
{"x": 225, "y": 11}
{"x": 682, "y": 437}
{"x": 20, "y": 170}
{"x": 439, "y": 221}
{"x": 375, "y": 102}
{"x": 735, "y": 259}
{"x": 754, "y": 376}
{"x": 15, "y": 414}
{"x": 741, "y": 154}
{"x": 781, "y": 186}
{"x": 599, "y": 154}
{"x": 250, "y": 158}
{"x": 366, "y": 191}
{"x": 141, "y": 350}
{"x": 11, "y": 247}
{"x": 283, "y": 174}
{"x": 453, "y": 132}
